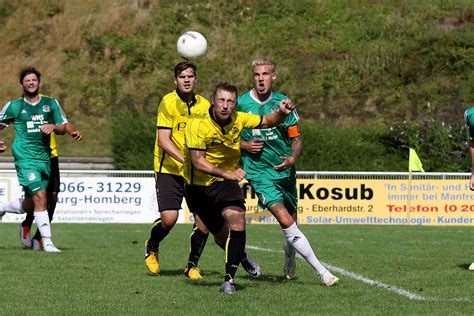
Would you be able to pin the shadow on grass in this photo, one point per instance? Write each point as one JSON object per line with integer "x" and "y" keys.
{"x": 464, "y": 266}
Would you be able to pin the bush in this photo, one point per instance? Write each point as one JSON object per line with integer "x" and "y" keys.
{"x": 438, "y": 137}
{"x": 133, "y": 140}
{"x": 332, "y": 148}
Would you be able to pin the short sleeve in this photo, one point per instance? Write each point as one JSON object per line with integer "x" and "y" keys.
{"x": 165, "y": 116}
{"x": 250, "y": 120}
{"x": 58, "y": 114}
{"x": 7, "y": 114}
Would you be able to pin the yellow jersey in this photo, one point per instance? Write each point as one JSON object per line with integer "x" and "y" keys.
{"x": 52, "y": 144}
{"x": 173, "y": 114}
{"x": 221, "y": 144}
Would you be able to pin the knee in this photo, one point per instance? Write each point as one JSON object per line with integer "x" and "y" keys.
{"x": 286, "y": 222}
{"x": 168, "y": 223}
{"x": 237, "y": 224}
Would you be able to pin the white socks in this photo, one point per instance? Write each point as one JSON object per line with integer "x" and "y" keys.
{"x": 14, "y": 206}
{"x": 299, "y": 241}
{"x": 44, "y": 226}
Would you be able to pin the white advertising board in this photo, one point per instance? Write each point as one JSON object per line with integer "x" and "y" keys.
{"x": 95, "y": 199}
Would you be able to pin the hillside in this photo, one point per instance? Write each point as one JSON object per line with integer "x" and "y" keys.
{"x": 345, "y": 63}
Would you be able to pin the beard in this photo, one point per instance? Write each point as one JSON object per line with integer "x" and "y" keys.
{"x": 31, "y": 94}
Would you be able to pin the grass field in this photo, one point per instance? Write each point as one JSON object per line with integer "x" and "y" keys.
{"x": 383, "y": 270}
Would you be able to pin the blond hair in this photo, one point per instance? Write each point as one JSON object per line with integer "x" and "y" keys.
{"x": 264, "y": 61}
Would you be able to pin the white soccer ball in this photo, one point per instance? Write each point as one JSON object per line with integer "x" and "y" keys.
{"x": 191, "y": 45}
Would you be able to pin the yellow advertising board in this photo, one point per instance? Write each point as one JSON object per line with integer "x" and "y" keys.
{"x": 375, "y": 201}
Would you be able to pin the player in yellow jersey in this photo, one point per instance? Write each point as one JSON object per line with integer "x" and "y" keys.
{"x": 212, "y": 172}
{"x": 52, "y": 191}
{"x": 173, "y": 113}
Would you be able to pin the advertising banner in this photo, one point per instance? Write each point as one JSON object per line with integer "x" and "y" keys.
{"x": 95, "y": 199}
{"x": 131, "y": 199}
{"x": 400, "y": 202}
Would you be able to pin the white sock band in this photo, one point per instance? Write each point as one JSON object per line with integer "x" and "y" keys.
{"x": 42, "y": 221}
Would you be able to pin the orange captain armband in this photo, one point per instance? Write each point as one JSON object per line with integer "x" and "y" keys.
{"x": 293, "y": 131}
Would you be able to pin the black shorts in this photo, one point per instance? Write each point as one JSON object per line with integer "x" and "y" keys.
{"x": 208, "y": 202}
{"x": 169, "y": 191}
{"x": 54, "y": 180}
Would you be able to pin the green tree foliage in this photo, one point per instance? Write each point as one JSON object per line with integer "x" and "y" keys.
{"x": 133, "y": 140}
{"x": 438, "y": 137}
{"x": 367, "y": 64}
{"x": 330, "y": 148}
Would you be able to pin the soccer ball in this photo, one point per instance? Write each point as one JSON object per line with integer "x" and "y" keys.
{"x": 191, "y": 45}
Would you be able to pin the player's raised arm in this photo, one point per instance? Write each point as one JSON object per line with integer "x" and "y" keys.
{"x": 275, "y": 118}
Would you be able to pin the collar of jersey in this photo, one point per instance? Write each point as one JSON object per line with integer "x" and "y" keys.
{"x": 33, "y": 104}
{"x": 257, "y": 100}
{"x": 214, "y": 121}
{"x": 181, "y": 97}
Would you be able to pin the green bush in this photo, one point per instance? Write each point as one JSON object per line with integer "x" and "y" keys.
{"x": 133, "y": 140}
{"x": 438, "y": 137}
{"x": 325, "y": 148}
{"x": 332, "y": 148}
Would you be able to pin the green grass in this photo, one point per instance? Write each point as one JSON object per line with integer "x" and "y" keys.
{"x": 101, "y": 271}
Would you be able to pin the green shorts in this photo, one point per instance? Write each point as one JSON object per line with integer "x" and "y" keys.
{"x": 271, "y": 191}
{"x": 33, "y": 175}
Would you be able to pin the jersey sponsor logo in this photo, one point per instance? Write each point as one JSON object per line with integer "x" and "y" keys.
{"x": 30, "y": 127}
{"x": 34, "y": 125}
{"x": 213, "y": 141}
{"x": 264, "y": 134}
{"x": 181, "y": 126}
{"x": 46, "y": 108}
{"x": 38, "y": 118}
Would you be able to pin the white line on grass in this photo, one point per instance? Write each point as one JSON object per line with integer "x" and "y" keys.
{"x": 388, "y": 287}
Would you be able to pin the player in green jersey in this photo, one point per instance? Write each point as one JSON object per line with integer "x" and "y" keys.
{"x": 268, "y": 157}
{"x": 469, "y": 121}
{"x": 34, "y": 118}
{"x": 35, "y": 242}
